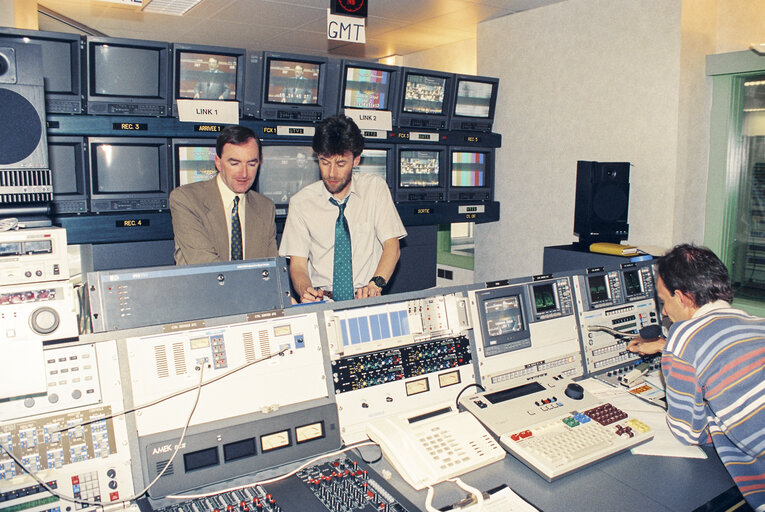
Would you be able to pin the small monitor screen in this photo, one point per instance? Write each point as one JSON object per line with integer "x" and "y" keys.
{"x": 373, "y": 161}
{"x": 126, "y": 71}
{"x": 195, "y": 163}
{"x": 632, "y": 282}
{"x": 57, "y": 66}
{"x": 598, "y": 288}
{"x": 285, "y": 170}
{"x": 293, "y": 82}
{"x": 544, "y": 298}
{"x": 206, "y": 76}
{"x": 366, "y": 88}
{"x": 419, "y": 168}
{"x": 473, "y": 99}
{"x": 468, "y": 169}
{"x": 424, "y": 94}
{"x": 503, "y": 315}
{"x": 126, "y": 168}
{"x": 63, "y": 166}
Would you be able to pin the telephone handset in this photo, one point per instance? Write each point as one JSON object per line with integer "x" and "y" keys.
{"x": 434, "y": 445}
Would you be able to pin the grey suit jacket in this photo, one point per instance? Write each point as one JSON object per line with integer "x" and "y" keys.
{"x": 199, "y": 224}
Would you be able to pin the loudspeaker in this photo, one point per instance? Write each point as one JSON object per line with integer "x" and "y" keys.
{"x": 602, "y": 201}
{"x": 24, "y": 171}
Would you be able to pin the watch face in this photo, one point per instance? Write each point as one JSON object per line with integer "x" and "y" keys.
{"x": 379, "y": 281}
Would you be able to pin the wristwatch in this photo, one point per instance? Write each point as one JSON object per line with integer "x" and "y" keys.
{"x": 379, "y": 281}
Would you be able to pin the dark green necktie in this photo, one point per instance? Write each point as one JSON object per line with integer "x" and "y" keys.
{"x": 236, "y": 232}
{"x": 342, "y": 275}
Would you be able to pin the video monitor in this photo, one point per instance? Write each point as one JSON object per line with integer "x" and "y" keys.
{"x": 284, "y": 170}
{"x": 503, "y": 319}
{"x": 128, "y": 173}
{"x": 474, "y": 103}
{"x": 128, "y": 77}
{"x": 603, "y": 288}
{"x": 299, "y": 87}
{"x": 66, "y": 157}
{"x": 638, "y": 280}
{"x": 194, "y": 160}
{"x": 368, "y": 86}
{"x": 207, "y": 73}
{"x": 424, "y": 99}
{"x": 378, "y": 159}
{"x": 471, "y": 174}
{"x": 63, "y": 72}
{"x": 421, "y": 173}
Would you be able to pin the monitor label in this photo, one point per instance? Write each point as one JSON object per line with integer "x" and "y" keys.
{"x": 293, "y": 131}
{"x": 208, "y": 111}
{"x": 132, "y": 223}
{"x": 130, "y": 127}
{"x": 424, "y": 136}
{"x": 371, "y": 119}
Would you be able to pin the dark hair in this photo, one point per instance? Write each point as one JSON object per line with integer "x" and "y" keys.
{"x": 336, "y": 135}
{"x": 236, "y": 135}
{"x": 697, "y": 272}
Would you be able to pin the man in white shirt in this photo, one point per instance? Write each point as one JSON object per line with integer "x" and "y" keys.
{"x": 315, "y": 221}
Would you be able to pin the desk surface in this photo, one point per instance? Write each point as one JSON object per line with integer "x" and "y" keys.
{"x": 624, "y": 482}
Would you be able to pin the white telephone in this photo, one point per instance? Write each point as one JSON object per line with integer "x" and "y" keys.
{"x": 428, "y": 447}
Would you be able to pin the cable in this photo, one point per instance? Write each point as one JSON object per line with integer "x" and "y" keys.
{"x": 270, "y": 480}
{"x": 135, "y": 496}
{"x": 10, "y": 223}
{"x": 175, "y": 393}
{"x": 378, "y": 459}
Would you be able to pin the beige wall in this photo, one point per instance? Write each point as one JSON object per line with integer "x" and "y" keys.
{"x": 739, "y": 24}
{"x": 18, "y": 14}
{"x": 459, "y": 57}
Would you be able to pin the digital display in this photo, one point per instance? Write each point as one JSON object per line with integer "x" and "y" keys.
{"x": 633, "y": 283}
{"x": 10, "y": 248}
{"x": 239, "y": 449}
{"x": 473, "y": 99}
{"x": 63, "y": 167}
{"x": 126, "y": 71}
{"x": 201, "y": 459}
{"x": 195, "y": 163}
{"x": 424, "y": 94}
{"x": 373, "y": 161}
{"x": 419, "y": 169}
{"x": 206, "y": 76}
{"x": 126, "y": 168}
{"x": 598, "y": 288}
{"x": 285, "y": 170}
{"x": 544, "y": 298}
{"x": 366, "y": 88}
{"x": 37, "y": 247}
{"x": 293, "y": 82}
{"x": 503, "y": 315}
{"x": 468, "y": 169}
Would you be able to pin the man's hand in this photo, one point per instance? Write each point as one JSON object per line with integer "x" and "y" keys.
{"x": 646, "y": 347}
{"x": 312, "y": 295}
{"x": 370, "y": 290}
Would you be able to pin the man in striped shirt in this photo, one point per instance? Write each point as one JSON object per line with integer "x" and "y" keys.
{"x": 713, "y": 365}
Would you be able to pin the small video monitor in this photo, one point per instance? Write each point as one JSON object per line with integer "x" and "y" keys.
{"x": 471, "y": 174}
{"x": 284, "y": 170}
{"x": 424, "y": 99}
{"x": 503, "y": 321}
{"x": 368, "y": 86}
{"x": 66, "y": 157}
{"x": 207, "y": 73}
{"x": 194, "y": 160}
{"x": 293, "y": 82}
{"x": 128, "y": 77}
{"x": 376, "y": 159}
{"x": 128, "y": 173}
{"x": 475, "y": 100}
{"x": 420, "y": 173}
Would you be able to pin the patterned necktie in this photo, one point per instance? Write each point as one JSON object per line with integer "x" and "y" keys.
{"x": 342, "y": 275}
{"x": 236, "y": 232}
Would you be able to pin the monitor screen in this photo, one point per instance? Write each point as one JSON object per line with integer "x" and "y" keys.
{"x": 194, "y": 163}
{"x": 468, "y": 169}
{"x": 63, "y": 160}
{"x": 123, "y": 168}
{"x": 633, "y": 283}
{"x": 206, "y": 76}
{"x": 367, "y": 88}
{"x": 473, "y": 99}
{"x": 545, "y": 298}
{"x": 129, "y": 71}
{"x": 293, "y": 82}
{"x": 419, "y": 168}
{"x": 374, "y": 161}
{"x": 503, "y": 315}
{"x": 599, "y": 291}
{"x": 285, "y": 170}
{"x": 424, "y": 94}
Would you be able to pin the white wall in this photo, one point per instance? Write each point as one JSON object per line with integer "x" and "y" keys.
{"x": 459, "y": 57}
{"x": 579, "y": 80}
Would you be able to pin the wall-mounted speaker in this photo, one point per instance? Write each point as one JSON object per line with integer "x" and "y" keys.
{"x": 602, "y": 201}
{"x": 24, "y": 171}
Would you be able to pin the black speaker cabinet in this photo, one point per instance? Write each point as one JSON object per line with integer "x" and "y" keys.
{"x": 602, "y": 201}
{"x": 24, "y": 171}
